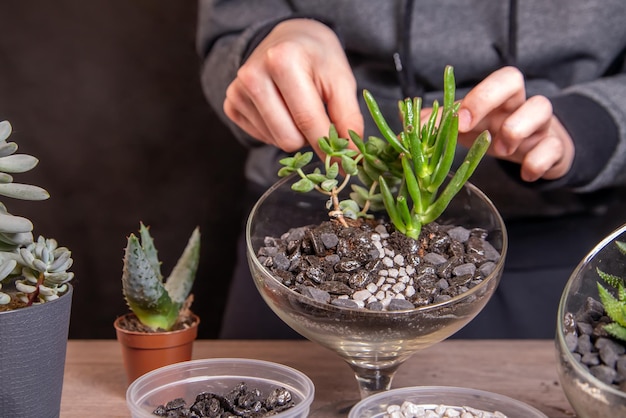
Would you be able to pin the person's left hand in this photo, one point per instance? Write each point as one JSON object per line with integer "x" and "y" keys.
{"x": 524, "y": 130}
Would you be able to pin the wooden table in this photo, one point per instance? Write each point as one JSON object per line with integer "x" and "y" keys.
{"x": 95, "y": 383}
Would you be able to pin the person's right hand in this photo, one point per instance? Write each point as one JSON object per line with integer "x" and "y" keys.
{"x": 293, "y": 86}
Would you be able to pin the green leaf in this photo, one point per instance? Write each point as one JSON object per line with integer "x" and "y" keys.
{"x": 449, "y": 87}
{"x": 349, "y": 208}
{"x": 285, "y": 171}
{"x": 301, "y": 160}
{"x": 149, "y": 249}
{"x": 356, "y": 140}
{"x": 144, "y": 292}
{"x": 613, "y": 307}
{"x": 390, "y": 206}
{"x": 180, "y": 281}
{"x": 616, "y": 331}
{"x": 303, "y": 186}
{"x": 380, "y": 121}
{"x": 325, "y": 146}
{"x": 375, "y": 162}
{"x": 364, "y": 178}
{"x": 329, "y": 185}
{"x": 349, "y": 165}
{"x": 621, "y": 246}
{"x": 316, "y": 178}
{"x": 361, "y": 191}
{"x": 287, "y": 161}
{"x": 610, "y": 279}
{"x": 333, "y": 171}
{"x": 412, "y": 185}
{"x": 339, "y": 144}
{"x": 447, "y": 140}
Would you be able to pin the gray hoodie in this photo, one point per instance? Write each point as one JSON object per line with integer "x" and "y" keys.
{"x": 573, "y": 52}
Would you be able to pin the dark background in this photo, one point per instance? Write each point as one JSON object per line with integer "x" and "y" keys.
{"x": 106, "y": 94}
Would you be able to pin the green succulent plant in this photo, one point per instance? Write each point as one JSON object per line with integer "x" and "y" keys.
{"x": 401, "y": 173}
{"x": 31, "y": 271}
{"x": 615, "y": 306}
{"x": 157, "y": 303}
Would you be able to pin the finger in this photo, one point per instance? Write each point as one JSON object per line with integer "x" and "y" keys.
{"x": 244, "y": 123}
{"x": 530, "y": 118}
{"x": 545, "y": 160}
{"x": 503, "y": 88}
{"x": 242, "y": 112}
{"x": 266, "y": 98}
{"x": 301, "y": 96}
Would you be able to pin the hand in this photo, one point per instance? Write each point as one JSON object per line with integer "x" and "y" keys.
{"x": 523, "y": 130}
{"x": 295, "y": 83}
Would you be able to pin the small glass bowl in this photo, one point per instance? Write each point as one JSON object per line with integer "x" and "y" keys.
{"x": 189, "y": 378}
{"x": 589, "y": 396}
{"x": 429, "y": 396}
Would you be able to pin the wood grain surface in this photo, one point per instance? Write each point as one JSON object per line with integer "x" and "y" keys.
{"x": 95, "y": 383}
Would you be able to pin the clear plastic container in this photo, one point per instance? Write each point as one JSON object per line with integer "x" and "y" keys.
{"x": 375, "y": 406}
{"x": 188, "y": 379}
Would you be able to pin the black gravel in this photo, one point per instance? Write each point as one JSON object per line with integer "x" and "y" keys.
{"x": 241, "y": 401}
{"x": 603, "y": 355}
{"x": 372, "y": 266}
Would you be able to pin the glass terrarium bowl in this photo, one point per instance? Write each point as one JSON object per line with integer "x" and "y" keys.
{"x": 373, "y": 343}
{"x": 188, "y": 379}
{"x": 589, "y": 396}
{"x": 456, "y": 398}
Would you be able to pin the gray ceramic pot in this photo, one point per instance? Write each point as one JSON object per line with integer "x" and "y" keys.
{"x": 33, "y": 342}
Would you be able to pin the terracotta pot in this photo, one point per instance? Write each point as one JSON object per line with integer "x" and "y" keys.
{"x": 143, "y": 352}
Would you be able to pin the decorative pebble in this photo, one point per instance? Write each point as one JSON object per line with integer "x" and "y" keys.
{"x": 410, "y": 410}
{"x": 389, "y": 267}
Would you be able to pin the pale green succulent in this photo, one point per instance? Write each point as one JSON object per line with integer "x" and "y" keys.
{"x": 155, "y": 302}
{"x": 36, "y": 270}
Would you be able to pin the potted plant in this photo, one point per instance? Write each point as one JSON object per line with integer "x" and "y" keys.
{"x": 591, "y": 331}
{"x": 35, "y": 300}
{"x": 401, "y": 259}
{"x": 160, "y": 329}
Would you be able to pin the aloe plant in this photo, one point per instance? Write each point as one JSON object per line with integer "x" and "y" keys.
{"x": 401, "y": 173}
{"x": 156, "y": 302}
{"x": 615, "y": 306}
{"x": 31, "y": 271}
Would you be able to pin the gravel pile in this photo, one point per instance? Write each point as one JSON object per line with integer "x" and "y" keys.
{"x": 241, "y": 401}
{"x": 411, "y": 410}
{"x": 374, "y": 267}
{"x": 603, "y": 356}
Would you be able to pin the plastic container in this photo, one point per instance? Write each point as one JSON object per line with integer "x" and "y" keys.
{"x": 188, "y": 379}
{"x": 375, "y": 406}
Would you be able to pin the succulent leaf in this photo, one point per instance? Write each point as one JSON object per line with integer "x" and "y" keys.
{"x": 180, "y": 281}
{"x": 17, "y": 163}
{"x": 23, "y": 191}
{"x": 155, "y": 303}
{"x": 144, "y": 291}
{"x": 5, "y": 130}
{"x": 149, "y": 249}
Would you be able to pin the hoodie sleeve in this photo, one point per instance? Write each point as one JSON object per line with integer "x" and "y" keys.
{"x": 594, "y": 114}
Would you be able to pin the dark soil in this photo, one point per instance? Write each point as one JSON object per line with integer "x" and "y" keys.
{"x": 603, "y": 355}
{"x": 370, "y": 265}
{"x": 241, "y": 401}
